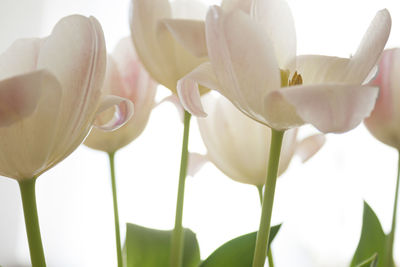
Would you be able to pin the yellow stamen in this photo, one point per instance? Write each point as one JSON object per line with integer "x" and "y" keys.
{"x": 296, "y": 79}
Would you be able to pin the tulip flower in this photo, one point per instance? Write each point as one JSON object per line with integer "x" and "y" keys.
{"x": 384, "y": 121}
{"x": 151, "y": 26}
{"x": 253, "y": 63}
{"x": 67, "y": 69}
{"x": 167, "y": 60}
{"x": 239, "y": 146}
{"x": 125, "y": 77}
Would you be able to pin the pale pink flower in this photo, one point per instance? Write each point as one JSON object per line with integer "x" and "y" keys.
{"x": 127, "y": 78}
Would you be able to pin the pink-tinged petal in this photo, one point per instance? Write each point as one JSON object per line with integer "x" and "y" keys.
{"x": 370, "y": 48}
{"x": 384, "y": 120}
{"x": 82, "y": 39}
{"x": 79, "y": 38}
{"x": 242, "y": 58}
{"x": 153, "y": 43}
{"x": 20, "y": 57}
{"x": 278, "y": 23}
{"x": 278, "y": 113}
{"x": 231, "y": 5}
{"x": 123, "y": 112}
{"x": 196, "y": 162}
{"x": 175, "y": 101}
{"x": 28, "y": 144}
{"x": 316, "y": 69}
{"x": 190, "y": 34}
{"x": 309, "y": 146}
{"x": 188, "y": 90}
{"x": 387, "y": 81}
{"x": 20, "y": 95}
{"x": 331, "y": 108}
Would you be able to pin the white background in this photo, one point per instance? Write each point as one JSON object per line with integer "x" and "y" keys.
{"x": 320, "y": 202}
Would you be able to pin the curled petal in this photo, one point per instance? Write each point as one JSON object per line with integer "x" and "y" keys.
{"x": 20, "y": 95}
{"x": 309, "y": 146}
{"x": 370, "y": 48}
{"x": 334, "y": 108}
{"x": 188, "y": 90}
{"x": 123, "y": 112}
{"x": 189, "y": 33}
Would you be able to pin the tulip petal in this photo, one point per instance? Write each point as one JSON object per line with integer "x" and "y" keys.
{"x": 196, "y": 162}
{"x": 123, "y": 112}
{"x": 231, "y": 5}
{"x": 242, "y": 58}
{"x": 190, "y": 34}
{"x": 28, "y": 144}
{"x": 20, "y": 95}
{"x": 278, "y": 23}
{"x": 371, "y": 47}
{"x": 81, "y": 39}
{"x": 20, "y": 57}
{"x": 332, "y": 108}
{"x": 154, "y": 47}
{"x": 193, "y": 9}
{"x": 316, "y": 69}
{"x": 309, "y": 146}
{"x": 188, "y": 90}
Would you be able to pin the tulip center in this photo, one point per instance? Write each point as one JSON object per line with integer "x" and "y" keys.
{"x": 286, "y": 81}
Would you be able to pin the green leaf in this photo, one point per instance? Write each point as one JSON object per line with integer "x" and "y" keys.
{"x": 145, "y": 247}
{"x": 370, "y": 262}
{"x": 372, "y": 241}
{"x": 238, "y": 252}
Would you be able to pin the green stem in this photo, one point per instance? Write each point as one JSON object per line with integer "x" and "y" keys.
{"x": 269, "y": 253}
{"x": 389, "y": 254}
{"x": 115, "y": 203}
{"x": 270, "y": 259}
{"x": 268, "y": 200}
{"x": 27, "y": 188}
{"x": 260, "y": 193}
{"x": 177, "y": 234}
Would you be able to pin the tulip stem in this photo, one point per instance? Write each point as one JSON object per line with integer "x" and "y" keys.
{"x": 389, "y": 252}
{"x": 262, "y": 245}
{"x": 177, "y": 234}
{"x": 28, "y": 196}
{"x": 260, "y": 193}
{"x": 111, "y": 157}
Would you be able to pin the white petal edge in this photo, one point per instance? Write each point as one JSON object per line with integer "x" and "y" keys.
{"x": 123, "y": 112}
{"x": 370, "y": 48}
{"x": 188, "y": 88}
{"x": 331, "y": 108}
